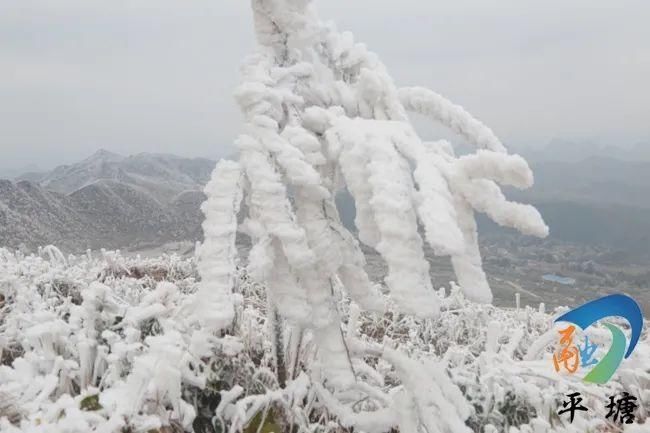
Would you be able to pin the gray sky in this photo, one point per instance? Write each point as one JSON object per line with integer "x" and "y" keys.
{"x": 157, "y": 75}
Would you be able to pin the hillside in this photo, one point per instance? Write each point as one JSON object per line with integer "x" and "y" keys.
{"x": 161, "y": 175}
{"x": 596, "y": 201}
{"x": 111, "y": 343}
{"x": 31, "y": 216}
{"x": 595, "y": 180}
{"x": 102, "y": 214}
{"x": 106, "y": 200}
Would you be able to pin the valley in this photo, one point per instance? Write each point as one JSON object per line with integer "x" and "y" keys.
{"x": 149, "y": 204}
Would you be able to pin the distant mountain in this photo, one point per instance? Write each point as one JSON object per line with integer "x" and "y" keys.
{"x": 161, "y": 175}
{"x": 623, "y": 229}
{"x": 31, "y": 216}
{"x": 576, "y": 151}
{"x": 601, "y": 181}
{"x": 13, "y": 172}
{"x": 107, "y": 200}
{"x": 597, "y": 200}
{"x": 110, "y": 200}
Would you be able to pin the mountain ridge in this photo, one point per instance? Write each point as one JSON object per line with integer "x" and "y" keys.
{"x": 111, "y": 200}
{"x": 106, "y": 200}
{"x": 162, "y": 175}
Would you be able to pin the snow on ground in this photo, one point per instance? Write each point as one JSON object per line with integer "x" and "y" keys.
{"x": 108, "y": 343}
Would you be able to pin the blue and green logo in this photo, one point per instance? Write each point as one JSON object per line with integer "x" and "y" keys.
{"x": 572, "y": 357}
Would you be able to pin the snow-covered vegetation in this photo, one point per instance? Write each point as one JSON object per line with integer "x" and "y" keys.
{"x": 297, "y": 337}
{"x": 111, "y": 344}
{"x": 322, "y": 115}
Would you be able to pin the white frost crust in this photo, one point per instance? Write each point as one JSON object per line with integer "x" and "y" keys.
{"x": 216, "y": 256}
{"x": 322, "y": 114}
{"x": 391, "y": 195}
{"x": 428, "y": 103}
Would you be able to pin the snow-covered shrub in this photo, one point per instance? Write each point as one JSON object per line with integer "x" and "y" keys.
{"x": 131, "y": 357}
{"x": 323, "y": 115}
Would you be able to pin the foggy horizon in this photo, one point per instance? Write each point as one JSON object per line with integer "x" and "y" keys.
{"x": 159, "y": 76}
{"x": 17, "y": 169}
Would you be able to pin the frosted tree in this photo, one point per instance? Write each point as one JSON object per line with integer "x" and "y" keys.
{"x": 323, "y": 115}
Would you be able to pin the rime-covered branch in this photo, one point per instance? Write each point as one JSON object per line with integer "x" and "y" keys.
{"x": 322, "y": 114}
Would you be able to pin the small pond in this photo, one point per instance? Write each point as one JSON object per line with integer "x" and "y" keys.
{"x": 559, "y": 279}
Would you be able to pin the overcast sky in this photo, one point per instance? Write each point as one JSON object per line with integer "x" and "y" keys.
{"x": 157, "y": 75}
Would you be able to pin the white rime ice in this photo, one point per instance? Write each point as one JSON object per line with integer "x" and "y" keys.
{"x": 322, "y": 115}
{"x": 87, "y": 347}
{"x": 216, "y": 256}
